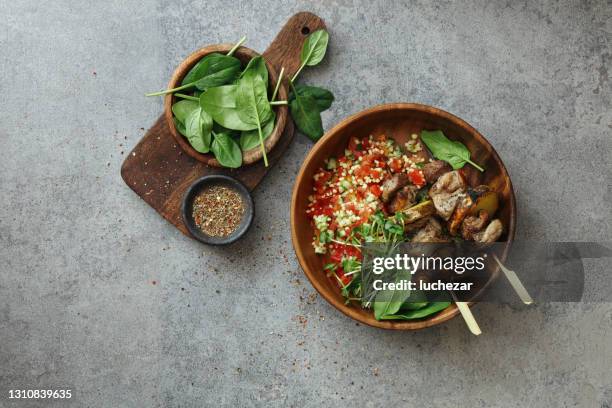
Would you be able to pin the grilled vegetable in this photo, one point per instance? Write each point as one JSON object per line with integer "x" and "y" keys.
{"x": 477, "y": 199}
{"x": 488, "y": 201}
{"x": 419, "y": 211}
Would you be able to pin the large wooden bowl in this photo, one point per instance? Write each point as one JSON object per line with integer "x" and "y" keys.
{"x": 399, "y": 121}
{"x": 244, "y": 54}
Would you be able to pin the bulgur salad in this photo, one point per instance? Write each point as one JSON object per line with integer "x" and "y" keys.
{"x": 381, "y": 191}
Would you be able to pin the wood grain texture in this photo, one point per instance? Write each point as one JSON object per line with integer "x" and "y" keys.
{"x": 159, "y": 171}
{"x": 398, "y": 121}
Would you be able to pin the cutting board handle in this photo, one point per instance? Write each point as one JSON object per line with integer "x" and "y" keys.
{"x": 285, "y": 50}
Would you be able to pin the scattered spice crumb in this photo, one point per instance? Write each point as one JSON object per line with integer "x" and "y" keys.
{"x": 301, "y": 320}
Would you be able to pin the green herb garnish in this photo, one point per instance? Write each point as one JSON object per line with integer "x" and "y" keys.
{"x": 453, "y": 152}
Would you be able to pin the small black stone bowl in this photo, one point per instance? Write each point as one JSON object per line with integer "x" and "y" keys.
{"x": 196, "y": 188}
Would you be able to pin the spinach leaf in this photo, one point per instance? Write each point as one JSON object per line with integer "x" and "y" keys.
{"x": 180, "y": 126}
{"x": 313, "y": 50}
{"x": 257, "y": 66}
{"x": 217, "y": 128}
{"x": 416, "y": 300}
{"x": 213, "y": 70}
{"x": 306, "y": 115}
{"x": 198, "y": 126}
{"x": 430, "y": 309}
{"x": 253, "y": 105}
{"x": 250, "y": 138}
{"x": 322, "y": 97}
{"x": 183, "y": 108}
{"x": 453, "y": 152}
{"x": 220, "y": 102}
{"x": 220, "y": 70}
{"x": 388, "y": 302}
{"x": 226, "y": 150}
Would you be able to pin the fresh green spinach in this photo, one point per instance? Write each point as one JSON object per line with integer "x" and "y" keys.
{"x": 430, "y": 309}
{"x": 253, "y": 106}
{"x": 217, "y": 128}
{"x": 180, "y": 127}
{"x": 453, "y": 152}
{"x": 221, "y": 103}
{"x": 249, "y": 139}
{"x": 226, "y": 150}
{"x": 198, "y": 127}
{"x": 220, "y": 100}
{"x": 306, "y": 115}
{"x": 313, "y": 50}
{"x": 213, "y": 70}
{"x": 257, "y": 66}
{"x": 182, "y": 109}
{"x": 389, "y": 302}
{"x": 322, "y": 97}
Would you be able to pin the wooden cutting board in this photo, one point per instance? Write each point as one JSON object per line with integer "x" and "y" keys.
{"x": 159, "y": 171}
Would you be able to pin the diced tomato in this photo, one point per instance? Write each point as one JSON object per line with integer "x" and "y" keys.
{"x": 351, "y": 207}
{"x": 375, "y": 189}
{"x": 323, "y": 177}
{"x": 343, "y": 159}
{"x": 363, "y": 171}
{"x": 364, "y": 217}
{"x": 396, "y": 165}
{"x": 375, "y": 173}
{"x": 417, "y": 178}
{"x": 365, "y": 142}
{"x": 338, "y": 251}
{"x": 345, "y": 279}
{"x": 321, "y": 206}
{"x": 355, "y": 145}
{"x": 371, "y": 159}
{"x": 361, "y": 193}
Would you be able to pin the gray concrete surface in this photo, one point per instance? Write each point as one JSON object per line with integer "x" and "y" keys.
{"x": 221, "y": 326}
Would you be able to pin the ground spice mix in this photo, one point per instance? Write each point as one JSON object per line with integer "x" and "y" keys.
{"x": 218, "y": 210}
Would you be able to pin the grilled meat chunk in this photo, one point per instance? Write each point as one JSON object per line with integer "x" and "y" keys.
{"x": 491, "y": 233}
{"x": 473, "y": 224}
{"x": 392, "y": 185}
{"x": 432, "y": 232}
{"x": 404, "y": 198}
{"x": 416, "y": 225}
{"x": 447, "y": 192}
{"x": 434, "y": 169}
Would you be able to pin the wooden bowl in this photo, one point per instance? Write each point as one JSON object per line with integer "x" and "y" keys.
{"x": 399, "y": 121}
{"x": 244, "y": 54}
